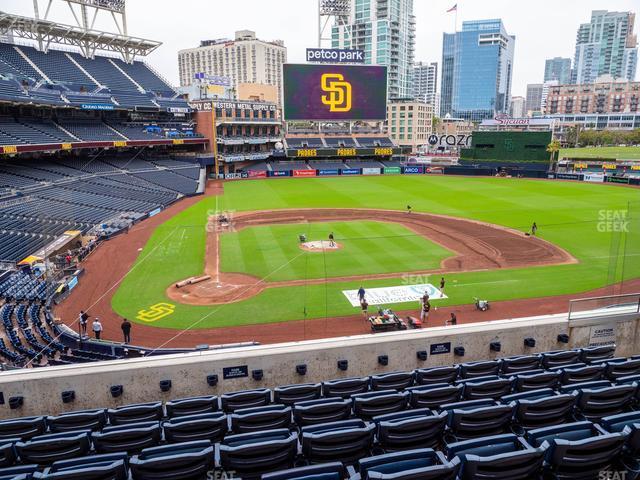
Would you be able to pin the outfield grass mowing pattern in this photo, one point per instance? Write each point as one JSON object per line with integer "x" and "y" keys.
{"x": 567, "y": 215}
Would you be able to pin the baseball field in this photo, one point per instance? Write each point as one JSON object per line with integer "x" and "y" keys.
{"x": 469, "y": 230}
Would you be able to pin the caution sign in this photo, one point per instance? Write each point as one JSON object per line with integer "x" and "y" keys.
{"x": 602, "y": 335}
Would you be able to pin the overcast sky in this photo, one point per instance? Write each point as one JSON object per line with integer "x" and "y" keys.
{"x": 543, "y": 28}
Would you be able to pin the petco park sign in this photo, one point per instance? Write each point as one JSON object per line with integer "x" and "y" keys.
{"x": 334, "y": 55}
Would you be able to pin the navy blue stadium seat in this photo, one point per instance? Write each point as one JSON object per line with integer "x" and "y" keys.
{"x": 410, "y": 429}
{"x": 477, "y": 418}
{"x": 345, "y": 387}
{"x": 204, "y": 426}
{"x": 371, "y": 404}
{"x": 521, "y": 363}
{"x": 392, "y": 381}
{"x": 577, "y": 450}
{"x": 130, "y": 438}
{"x": 136, "y": 413}
{"x": 245, "y": 399}
{"x": 95, "y": 467}
{"x": 8, "y": 454}
{"x": 46, "y": 449}
{"x": 19, "y": 472}
{"x": 269, "y": 417}
{"x": 322, "y": 410}
{"x": 507, "y": 457}
{"x": 595, "y": 403}
{"x": 345, "y": 441}
{"x": 290, "y": 394}
{"x": 487, "y": 388}
{"x": 426, "y": 376}
{"x": 535, "y": 380}
{"x": 252, "y": 454}
{"x": 323, "y": 471}
{"x": 559, "y": 358}
{"x": 192, "y": 406}
{"x": 577, "y": 386}
{"x": 23, "y": 428}
{"x": 421, "y": 464}
{"x": 181, "y": 461}
{"x": 615, "y": 370}
{"x": 580, "y": 374}
{"x": 597, "y": 354}
{"x": 479, "y": 369}
{"x": 434, "y": 395}
{"x": 79, "y": 420}
{"x": 540, "y": 408}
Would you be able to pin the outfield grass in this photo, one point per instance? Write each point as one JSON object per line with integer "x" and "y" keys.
{"x": 272, "y": 252}
{"x": 622, "y": 153}
{"x": 568, "y": 214}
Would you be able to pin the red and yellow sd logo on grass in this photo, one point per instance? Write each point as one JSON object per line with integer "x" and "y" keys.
{"x": 156, "y": 312}
{"x": 338, "y": 91}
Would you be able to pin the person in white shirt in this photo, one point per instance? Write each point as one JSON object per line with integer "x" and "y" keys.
{"x": 97, "y": 328}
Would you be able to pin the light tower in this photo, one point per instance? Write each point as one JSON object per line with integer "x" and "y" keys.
{"x": 337, "y": 10}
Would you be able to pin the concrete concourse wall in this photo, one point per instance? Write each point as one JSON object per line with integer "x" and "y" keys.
{"x": 42, "y": 388}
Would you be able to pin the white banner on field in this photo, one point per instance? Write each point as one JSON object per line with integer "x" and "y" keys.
{"x": 370, "y": 171}
{"x": 594, "y": 177}
{"x": 399, "y": 294}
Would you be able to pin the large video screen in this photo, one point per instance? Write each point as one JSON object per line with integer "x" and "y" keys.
{"x": 335, "y": 92}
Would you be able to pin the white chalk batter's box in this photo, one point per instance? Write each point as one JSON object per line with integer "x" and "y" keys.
{"x": 399, "y": 294}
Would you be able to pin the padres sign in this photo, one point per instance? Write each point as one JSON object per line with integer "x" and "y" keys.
{"x": 339, "y": 92}
{"x": 156, "y": 312}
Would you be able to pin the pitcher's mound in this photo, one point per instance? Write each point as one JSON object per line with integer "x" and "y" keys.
{"x": 319, "y": 246}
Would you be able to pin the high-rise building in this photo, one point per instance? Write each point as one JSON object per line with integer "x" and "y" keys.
{"x": 409, "y": 122}
{"x": 517, "y": 107}
{"x": 533, "y": 102}
{"x": 425, "y": 84}
{"x": 603, "y": 97}
{"x": 385, "y": 30}
{"x": 477, "y": 65}
{"x": 244, "y": 60}
{"x": 606, "y": 46}
{"x": 557, "y": 68}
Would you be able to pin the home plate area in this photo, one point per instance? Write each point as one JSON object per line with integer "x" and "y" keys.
{"x": 320, "y": 245}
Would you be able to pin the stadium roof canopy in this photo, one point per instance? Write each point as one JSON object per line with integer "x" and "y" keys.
{"x": 46, "y": 32}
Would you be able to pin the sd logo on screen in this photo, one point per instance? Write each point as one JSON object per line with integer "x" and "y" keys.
{"x": 339, "y": 92}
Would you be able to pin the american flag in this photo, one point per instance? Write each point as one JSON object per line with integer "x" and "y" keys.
{"x": 453, "y": 9}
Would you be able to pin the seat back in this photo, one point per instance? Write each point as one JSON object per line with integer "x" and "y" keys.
{"x": 557, "y": 359}
{"x": 420, "y": 464}
{"x": 541, "y": 412}
{"x": 522, "y": 363}
{"x": 141, "y": 412}
{"x": 432, "y": 396}
{"x": 321, "y": 411}
{"x": 369, "y": 405}
{"x": 131, "y": 438}
{"x": 615, "y": 370}
{"x": 174, "y": 462}
{"x": 245, "y": 399}
{"x": 479, "y": 369}
{"x": 324, "y": 471}
{"x": 410, "y": 429}
{"x": 271, "y": 417}
{"x": 594, "y": 404}
{"x": 23, "y": 428}
{"x": 344, "y": 441}
{"x": 251, "y": 454}
{"x": 588, "y": 373}
{"x": 482, "y": 421}
{"x": 81, "y": 420}
{"x": 192, "y": 406}
{"x": 94, "y": 467}
{"x": 205, "y": 426}
{"x": 487, "y": 389}
{"x": 436, "y": 375}
{"x": 392, "y": 381}
{"x": 46, "y": 449}
{"x": 536, "y": 380}
{"x": 345, "y": 387}
{"x": 290, "y": 394}
{"x": 597, "y": 354}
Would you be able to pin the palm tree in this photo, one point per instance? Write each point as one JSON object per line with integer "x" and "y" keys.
{"x": 553, "y": 148}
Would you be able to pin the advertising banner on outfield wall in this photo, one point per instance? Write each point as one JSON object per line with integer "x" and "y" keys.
{"x": 328, "y": 172}
{"x": 304, "y": 173}
{"x": 371, "y": 171}
{"x": 279, "y": 173}
{"x": 391, "y": 170}
{"x": 257, "y": 174}
{"x": 413, "y": 170}
{"x": 594, "y": 177}
{"x": 624, "y": 180}
{"x": 350, "y": 171}
{"x": 569, "y": 176}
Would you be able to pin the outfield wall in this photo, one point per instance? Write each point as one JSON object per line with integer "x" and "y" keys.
{"x": 41, "y": 388}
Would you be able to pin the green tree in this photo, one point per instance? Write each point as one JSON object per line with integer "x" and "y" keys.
{"x": 435, "y": 121}
{"x": 553, "y": 148}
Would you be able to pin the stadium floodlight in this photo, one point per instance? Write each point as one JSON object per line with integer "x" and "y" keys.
{"x": 117, "y": 6}
{"x": 337, "y": 10}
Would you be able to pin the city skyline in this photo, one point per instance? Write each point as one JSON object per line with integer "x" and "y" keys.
{"x": 296, "y": 24}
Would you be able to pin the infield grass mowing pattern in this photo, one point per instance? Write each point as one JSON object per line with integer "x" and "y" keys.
{"x": 624, "y": 153}
{"x": 367, "y": 247}
{"x": 567, "y": 214}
